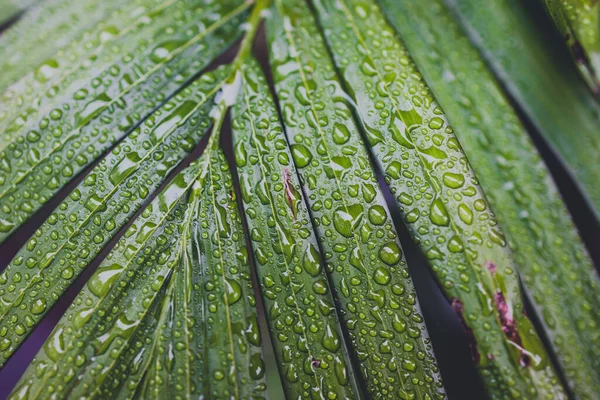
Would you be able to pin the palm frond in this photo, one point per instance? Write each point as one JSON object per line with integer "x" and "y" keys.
{"x": 579, "y": 23}
{"x": 300, "y": 307}
{"x": 102, "y": 203}
{"x": 357, "y": 236}
{"x": 118, "y": 95}
{"x": 551, "y": 258}
{"x": 37, "y": 40}
{"x": 439, "y": 196}
{"x": 543, "y": 82}
{"x": 48, "y": 142}
{"x": 11, "y": 8}
{"x": 170, "y": 312}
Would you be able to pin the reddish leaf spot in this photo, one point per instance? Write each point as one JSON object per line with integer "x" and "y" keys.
{"x": 509, "y": 326}
{"x": 289, "y": 190}
{"x": 578, "y": 52}
{"x": 490, "y": 266}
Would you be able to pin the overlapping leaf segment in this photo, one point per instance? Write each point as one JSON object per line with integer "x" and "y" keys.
{"x": 11, "y": 8}
{"x": 556, "y": 269}
{"x": 152, "y": 318}
{"x": 439, "y": 196}
{"x": 170, "y": 311}
{"x": 543, "y": 81}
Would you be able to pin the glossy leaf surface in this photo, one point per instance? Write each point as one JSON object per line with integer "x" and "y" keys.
{"x": 69, "y": 125}
{"x": 355, "y": 231}
{"x": 300, "y": 308}
{"x": 551, "y": 258}
{"x": 440, "y": 198}
{"x": 107, "y": 198}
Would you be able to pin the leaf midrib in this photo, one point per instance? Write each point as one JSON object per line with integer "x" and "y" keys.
{"x": 171, "y": 207}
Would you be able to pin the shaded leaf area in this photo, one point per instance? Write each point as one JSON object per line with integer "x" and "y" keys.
{"x": 25, "y": 46}
{"x": 543, "y": 81}
{"x": 170, "y": 311}
{"x": 11, "y": 8}
{"x": 579, "y": 23}
{"x": 440, "y": 198}
{"x": 300, "y": 308}
{"x": 54, "y": 131}
{"x": 552, "y": 260}
{"x": 106, "y": 199}
{"x": 358, "y": 240}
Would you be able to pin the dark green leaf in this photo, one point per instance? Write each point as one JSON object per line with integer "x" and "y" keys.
{"x": 440, "y": 198}
{"x": 359, "y": 242}
{"x": 553, "y": 261}
{"x": 543, "y": 81}
{"x": 579, "y": 23}
{"x": 300, "y": 308}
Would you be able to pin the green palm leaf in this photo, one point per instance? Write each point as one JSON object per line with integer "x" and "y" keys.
{"x": 100, "y": 205}
{"x": 76, "y": 121}
{"x": 579, "y": 23}
{"x": 25, "y": 46}
{"x": 543, "y": 82}
{"x": 439, "y": 196}
{"x": 117, "y": 93}
{"x": 300, "y": 307}
{"x": 174, "y": 298}
{"x": 359, "y": 241}
{"x": 548, "y": 250}
{"x": 11, "y": 8}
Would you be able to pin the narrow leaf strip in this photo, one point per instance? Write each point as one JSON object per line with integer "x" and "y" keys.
{"x": 359, "y": 243}
{"x": 98, "y": 327}
{"x": 235, "y": 368}
{"x": 579, "y": 23}
{"x": 40, "y": 86}
{"x": 43, "y": 157}
{"x": 44, "y": 30}
{"x": 553, "y": 262}
{"x": 300, "y": 308}
{"x": 93, "y": 213}
{"x": 440, "y": 198}
{"x": 544, "y": 83}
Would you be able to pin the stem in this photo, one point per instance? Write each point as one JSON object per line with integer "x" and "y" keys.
{"x": 219, "y": 111}
{"x": 231, "y": 89}
{"x": 253, "y": 24}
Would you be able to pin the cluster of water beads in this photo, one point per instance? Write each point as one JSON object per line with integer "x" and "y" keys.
{"x": 438, "y": 194}
{"x": 360, "y": 245}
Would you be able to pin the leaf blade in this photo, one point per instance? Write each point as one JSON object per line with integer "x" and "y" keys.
{"x": 285, "y": 249}
{"x": 68, "y": 142}
{"x": 438, "y": 194}
{"x": 546, "y": 87}
{"x": 579, "y": 24}
{"x": 85, "y": 222}
{"x": 529, "y": 208}
{"x": 315, "y": 112}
